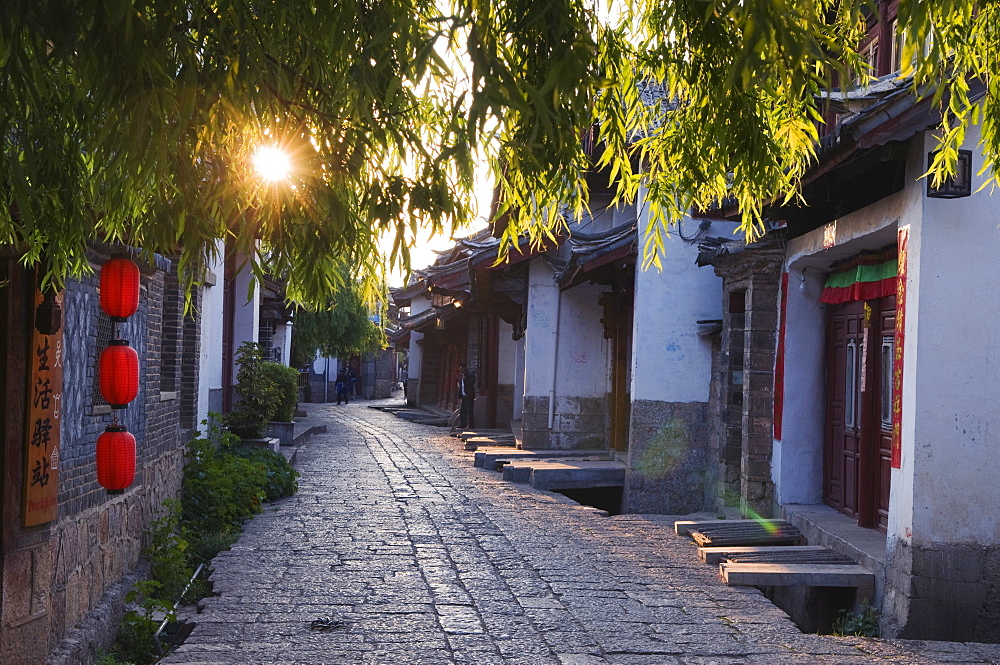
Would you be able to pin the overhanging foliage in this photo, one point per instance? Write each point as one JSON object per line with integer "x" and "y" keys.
{"x": 134, "y": 122}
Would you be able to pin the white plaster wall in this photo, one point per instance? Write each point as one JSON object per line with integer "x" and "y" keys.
{"x": 951, "y": 374}
{"x": 283, "y": 340}
{"x": 506, "y": 355}
{"x": 540, "y": 345}
{"x": 415, "y": 354}
{"x": 246, "y": 321}
{"x": 670, "y": 361}
{"x": 212, "y": 308}
{"x": 582, "y": 368}
{"x": 796, "y": 468}
{"x": 518, "y": 379}
{"x": 579, "y": 358}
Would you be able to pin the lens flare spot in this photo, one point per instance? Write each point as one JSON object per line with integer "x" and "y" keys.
{"x": 272, "y": 163}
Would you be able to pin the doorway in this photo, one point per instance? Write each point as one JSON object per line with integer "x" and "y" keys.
{"x": 858, "y": 432}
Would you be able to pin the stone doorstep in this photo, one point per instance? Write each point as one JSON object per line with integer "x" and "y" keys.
{"x": 491, "y": 441}
{"x": 685, "y": 527}
{"x": 577, "y": 475}
{"x": 500, "y": 463}
{"x": 801, "y": 574}
{"x": 487, "y": 457}
{"x": 522, "y": 471}
{"x": 469, "y": 433}
{"x": 714, "y": 555}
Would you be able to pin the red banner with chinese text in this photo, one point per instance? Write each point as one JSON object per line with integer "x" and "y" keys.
{"x": 903, "y": 237}
{"x": 41, "y": 475}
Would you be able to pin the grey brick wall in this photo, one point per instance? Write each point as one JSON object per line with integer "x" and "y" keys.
{"x": 98, "y": 538}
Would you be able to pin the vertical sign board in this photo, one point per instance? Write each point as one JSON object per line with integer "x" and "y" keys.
{"x": 41, "y": 473}
{"x": 903, "y": 238}
{"x": 779, "y": 363}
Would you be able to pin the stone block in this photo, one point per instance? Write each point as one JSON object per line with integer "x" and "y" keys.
{"x": 17, "y": 586}
{"x": 962, "y": 563}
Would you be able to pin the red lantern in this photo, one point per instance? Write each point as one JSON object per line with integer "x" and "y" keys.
{"x": 115, "y": 459}
{"x": 119, "y": 373}
{"x": 120, "y": 288}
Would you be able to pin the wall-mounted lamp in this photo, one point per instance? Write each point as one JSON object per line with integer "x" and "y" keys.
{"x": 956, "y": 186}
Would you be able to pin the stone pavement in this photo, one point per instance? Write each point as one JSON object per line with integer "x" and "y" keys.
{"x": 429, "y": 561}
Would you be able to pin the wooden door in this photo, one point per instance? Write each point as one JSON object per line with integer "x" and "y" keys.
{"x": 844, "y": 339}
{"x": 857, "y": 451}
{"x": 617, "y": 320}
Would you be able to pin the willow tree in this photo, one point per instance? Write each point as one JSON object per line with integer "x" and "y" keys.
{"x": 134, "y": 121}
{"x": 345, "y": 327}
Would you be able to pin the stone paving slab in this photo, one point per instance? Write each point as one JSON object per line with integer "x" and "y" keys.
{"x": 429, "y": 561}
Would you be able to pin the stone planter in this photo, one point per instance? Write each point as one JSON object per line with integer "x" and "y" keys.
{"x": 269, "y": 443}
{"x": 283, "y": 431}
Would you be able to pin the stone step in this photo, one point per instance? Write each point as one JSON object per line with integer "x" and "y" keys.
{"x": 519, "y": 471}
{"x": 725, "y": 533}
{"x": 714, "y": 555}
{"x": 684, "y": 527}
{"x": 806, "y": 574}
{"x": 577, "y": 475}
{"x": 486, "y": 458}
{"x": 469, "y": 433}
{"x": 487, "y": 441}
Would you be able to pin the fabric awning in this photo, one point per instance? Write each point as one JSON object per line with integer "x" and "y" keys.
{"x": 869, "y": 275}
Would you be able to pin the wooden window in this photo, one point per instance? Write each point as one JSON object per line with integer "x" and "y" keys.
{"x": 885, "y": 407}
{"x": 851, "y": 385}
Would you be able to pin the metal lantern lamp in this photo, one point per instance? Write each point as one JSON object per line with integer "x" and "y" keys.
{"x": 956, "y": 186}
{"x": 115, "y": 459}
{"x": 120, "y": 288}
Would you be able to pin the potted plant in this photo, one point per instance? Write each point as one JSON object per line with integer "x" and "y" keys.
{"x": 250, "y": 416}
{"x": 286, "y": 390}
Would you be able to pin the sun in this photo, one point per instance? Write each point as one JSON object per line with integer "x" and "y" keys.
{"x": 272, "y": 163}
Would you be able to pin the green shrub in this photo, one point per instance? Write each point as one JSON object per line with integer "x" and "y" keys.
{"x": 220, "y": 489}
{"x": 863, "y": 623}
{"x": 168, "y": 551}
{"x": 280, "y": 474}
{"x": 135, "y": 641}
{"x": 286, "y": 387}
{"x": 258, "y": 394}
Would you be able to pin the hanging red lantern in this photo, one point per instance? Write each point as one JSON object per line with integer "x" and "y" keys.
{"x": 115, "y": 459}
{"x": 119, "y": 374}
{"x": 120, "y": 288}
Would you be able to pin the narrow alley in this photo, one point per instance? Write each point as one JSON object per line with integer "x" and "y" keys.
{"x": 411, "y": 556}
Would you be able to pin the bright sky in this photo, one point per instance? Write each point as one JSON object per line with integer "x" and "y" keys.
{"x": 422, "y": 252}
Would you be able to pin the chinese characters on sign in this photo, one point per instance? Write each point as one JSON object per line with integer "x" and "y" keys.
{"x": 897, "y": 361}
{"x": 41, "y": 479}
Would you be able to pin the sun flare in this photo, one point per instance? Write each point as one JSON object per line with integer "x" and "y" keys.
{"x": 272, "y": 163}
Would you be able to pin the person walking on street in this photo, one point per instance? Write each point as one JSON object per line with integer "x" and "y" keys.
{"x": 467, "y": 391}
{"x": 343, "y": 386}
{"x": 352, "y": 382}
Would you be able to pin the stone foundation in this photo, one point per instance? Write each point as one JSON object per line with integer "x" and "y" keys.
{"x": 942, "y": 592}
{"x": 580, "y": 422}
{"x": 668, "y": 458}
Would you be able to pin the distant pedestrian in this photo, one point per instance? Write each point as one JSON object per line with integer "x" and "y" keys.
{"x": 352, "y": 380}
{"x": 343, "y": 386}
{"x": 467, "y": 391}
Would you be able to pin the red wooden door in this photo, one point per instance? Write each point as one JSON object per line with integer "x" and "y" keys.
{"x": 857, "y": 450}
{"x": 845, "y": 327}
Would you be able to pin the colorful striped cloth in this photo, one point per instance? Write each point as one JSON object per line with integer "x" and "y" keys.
{"x": 869, "y": 275}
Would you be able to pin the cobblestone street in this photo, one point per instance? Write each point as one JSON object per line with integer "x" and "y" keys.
{"x": 429, "y": 561}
